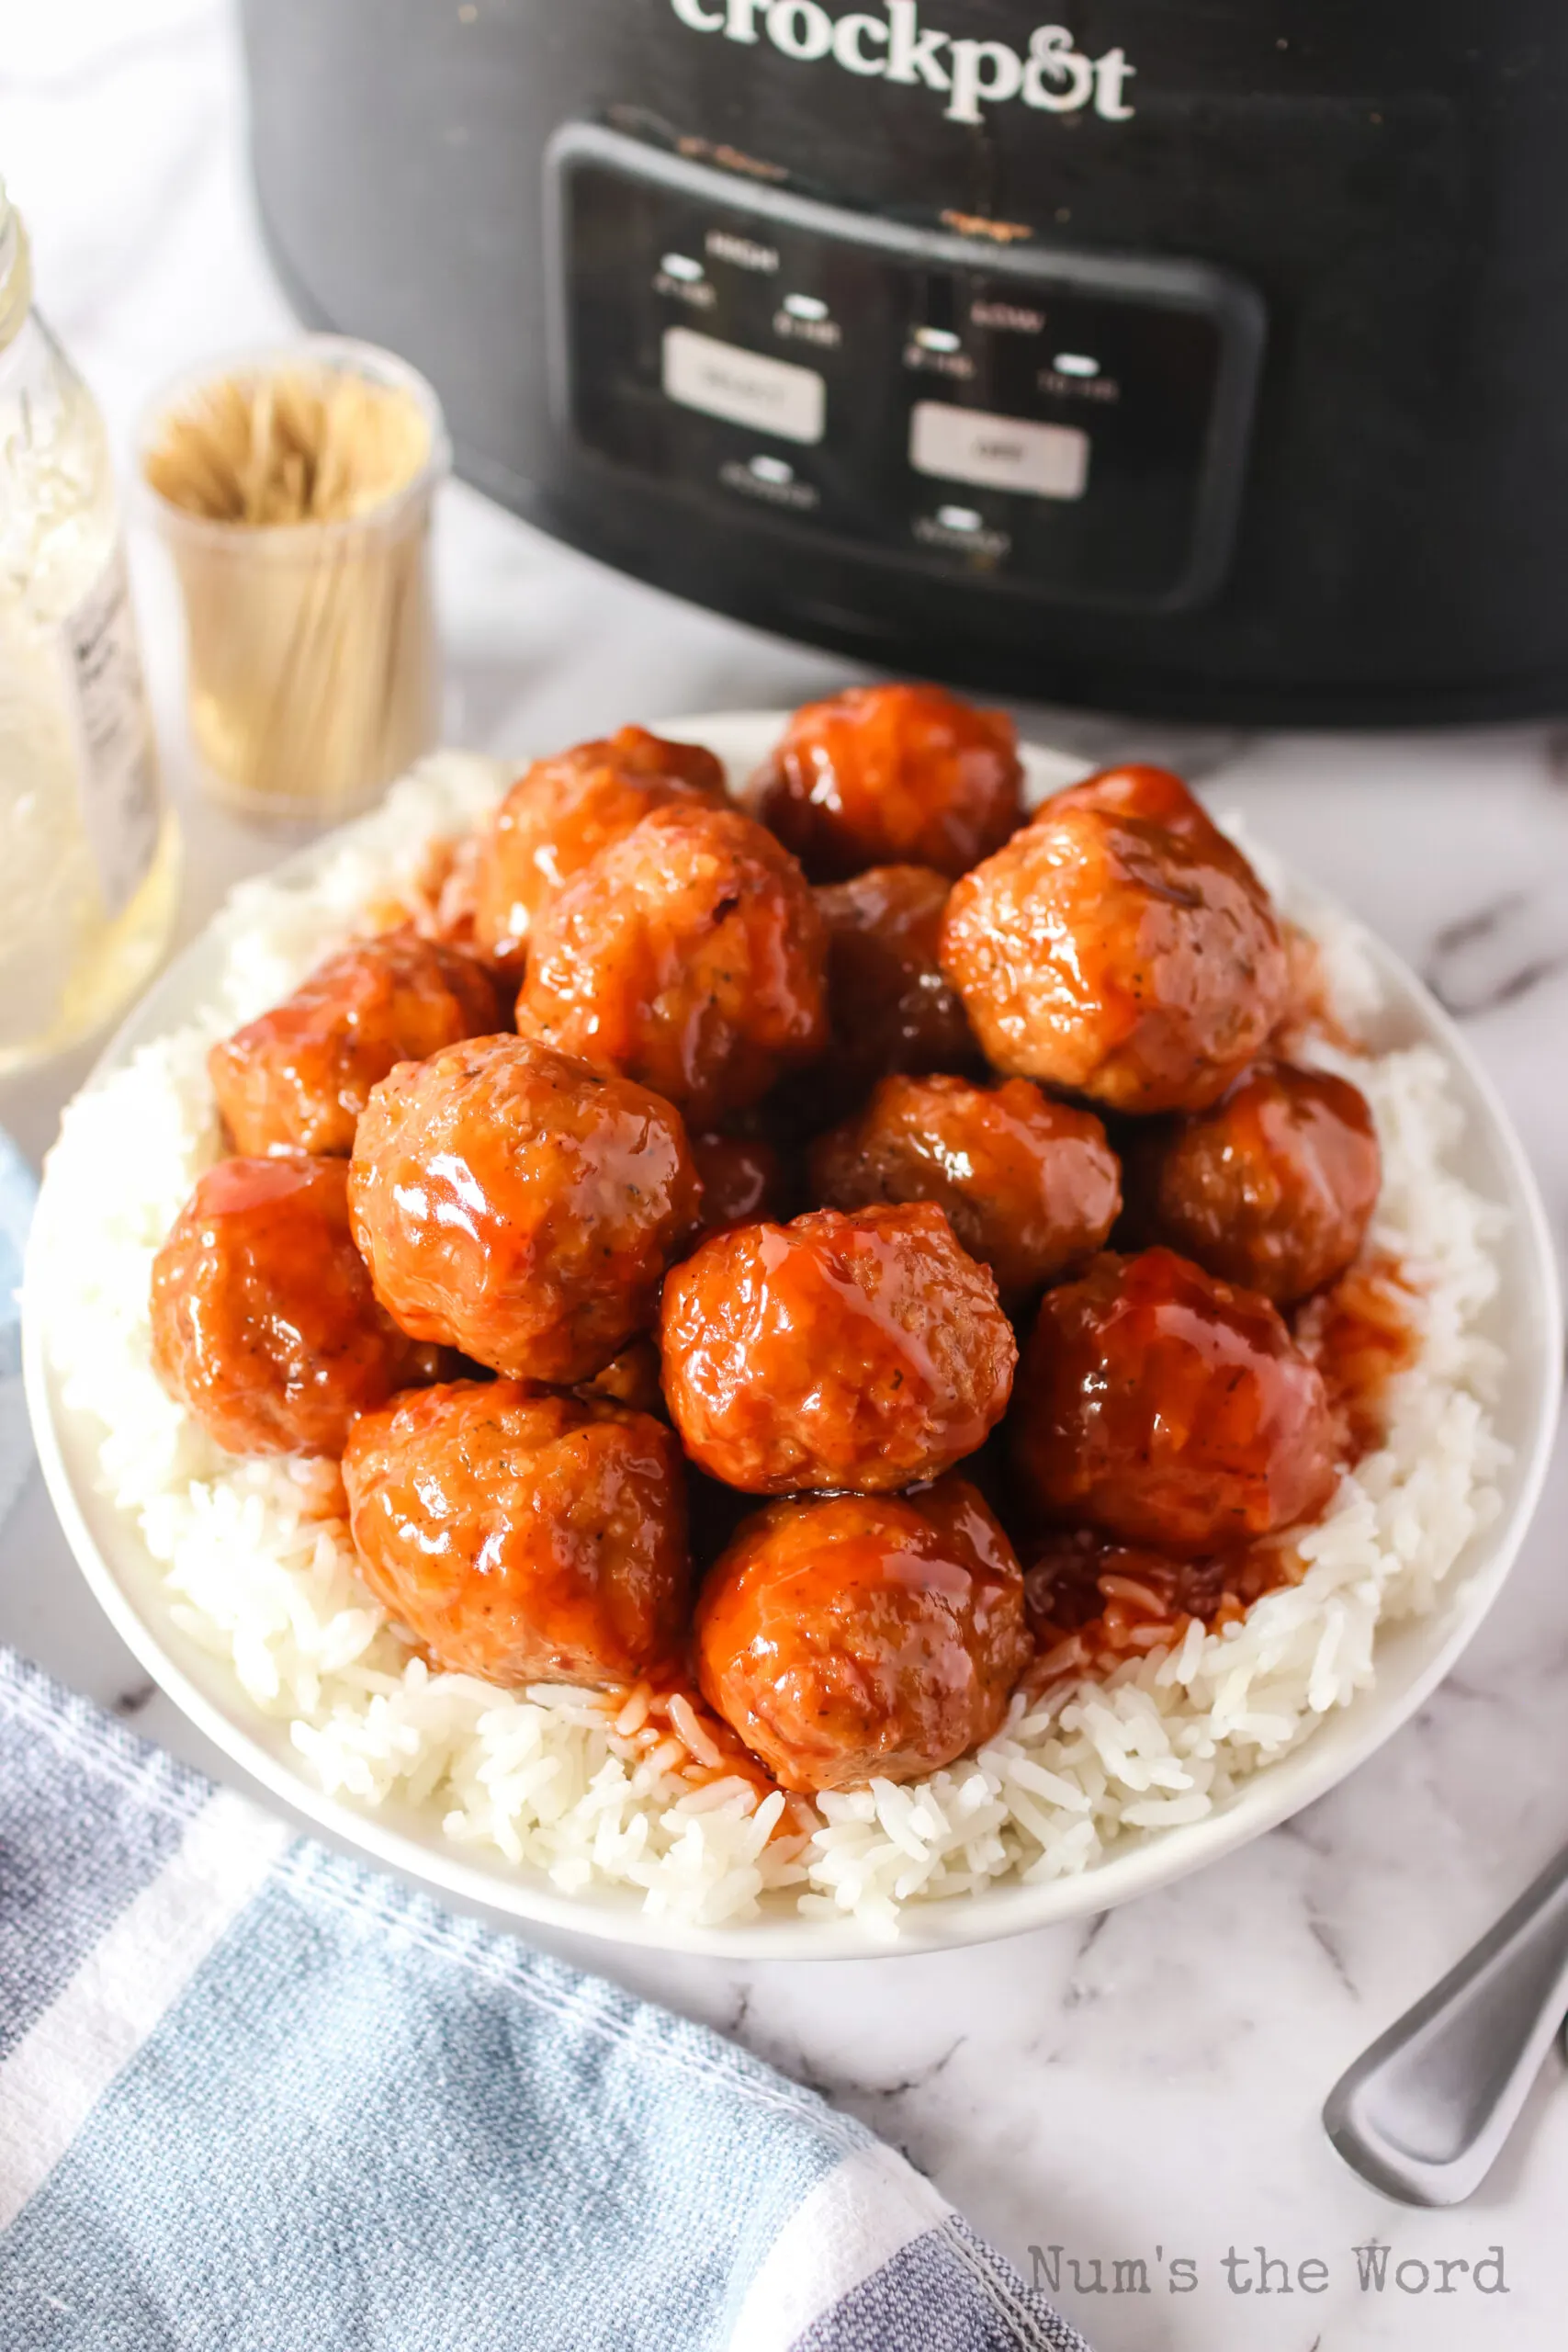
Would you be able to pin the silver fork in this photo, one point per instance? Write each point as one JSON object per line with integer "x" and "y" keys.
{"x": 1424, "y": 2113}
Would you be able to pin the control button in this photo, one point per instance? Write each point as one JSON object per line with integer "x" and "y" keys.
{"x": 997, "y": 452}
{"x": 937, "y": 351}
{"x": 971, "y": 537}
{"x": 1074, "y": 376}
{"x": 772, "y": 479}
{"x": 744, "y": 387}
{"x": 808, "y": 318}
{"x": 682, "y": 277}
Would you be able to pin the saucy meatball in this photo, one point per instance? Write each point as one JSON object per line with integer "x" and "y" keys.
{"x": 863, "y": 1635}
{"x": 743, "y": 1179}
{"x": 865, "y": 1352}
{"x": 443, "y": 900}
{"x": 881, "y": 776}
{"x": 1120, "y": 948}
{"x": 563, "y": 811}
{"x": 298, "y": 1078}
{"x": 263, "y": 1320}
{"x": 1274, "y": 1187}
{"x": 1169, "y": 1410}
{"x": 1029, "y": 1186}
{"x": 689, "y": 955}
{"x": 889, "y": 1006}
{"x": 523, "y": 1537}
{"x": 519, "y": 1205}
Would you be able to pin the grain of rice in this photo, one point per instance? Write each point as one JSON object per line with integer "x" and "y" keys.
{"x": 634, "y": 1715}
{"x": 697, "y": 1742}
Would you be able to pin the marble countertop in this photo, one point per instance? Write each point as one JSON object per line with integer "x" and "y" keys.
{"x": 1147, "y": 2086}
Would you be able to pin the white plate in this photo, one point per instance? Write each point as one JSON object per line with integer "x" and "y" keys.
{"x": 1412, "y": 1658}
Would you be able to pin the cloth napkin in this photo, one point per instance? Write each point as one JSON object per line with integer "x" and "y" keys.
{"x": 256, "y": 2099}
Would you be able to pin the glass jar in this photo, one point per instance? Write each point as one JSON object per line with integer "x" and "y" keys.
{"x": 89, "y": 853}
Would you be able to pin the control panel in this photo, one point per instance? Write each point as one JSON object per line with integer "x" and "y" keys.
{"x": 1062, "y": 422}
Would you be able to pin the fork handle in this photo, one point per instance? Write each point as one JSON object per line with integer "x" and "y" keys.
{"x": 1423, "y": 2114}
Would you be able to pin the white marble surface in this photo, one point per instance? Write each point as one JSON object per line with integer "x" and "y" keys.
{"x": 1148, "y": 2085}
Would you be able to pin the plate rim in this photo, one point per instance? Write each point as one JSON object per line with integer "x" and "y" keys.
{"x": 613, "y": 1915}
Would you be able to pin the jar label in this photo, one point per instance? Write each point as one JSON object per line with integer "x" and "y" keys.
{"x": 117, "y": 755}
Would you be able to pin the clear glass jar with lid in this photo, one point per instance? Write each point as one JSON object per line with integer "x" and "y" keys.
{"x": 89, "y": 853}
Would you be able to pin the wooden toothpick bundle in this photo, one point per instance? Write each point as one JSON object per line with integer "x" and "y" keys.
{"x": 285, "y": 499}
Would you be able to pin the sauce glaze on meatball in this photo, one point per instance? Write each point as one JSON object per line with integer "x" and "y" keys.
{"x": 1274, "y": 1188}
{"x": 883, "y": 776}
{"x": 298, "y": 1078}
{"x": 1029, "y": 1186}
{"x": 520, "y": 1205}
{"x": 263, "y": 1320}
{"x": 562, "y": 812}
{"x": 889, "y": 1006}
{"x": 865, "y": 1352}
{"x": 743, "y": 1180}
{"x": 1118, "y": 948}
{"x": 690, "y": 955}
{"x": 859, "y": 1636}
{"x": 523, "y": 1537}
{"x": 1169, "y": 1410}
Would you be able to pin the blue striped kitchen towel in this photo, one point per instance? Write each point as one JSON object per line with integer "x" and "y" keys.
{"x": 256, "y": 2099}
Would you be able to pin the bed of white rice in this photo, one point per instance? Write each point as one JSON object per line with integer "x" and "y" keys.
{"x": 584, "y": 1791}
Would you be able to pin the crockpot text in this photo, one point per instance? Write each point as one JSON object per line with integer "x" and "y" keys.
{"x": 1053, "y": 76}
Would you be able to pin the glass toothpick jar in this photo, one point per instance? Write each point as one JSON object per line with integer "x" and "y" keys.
{"x": 88, "y": 849}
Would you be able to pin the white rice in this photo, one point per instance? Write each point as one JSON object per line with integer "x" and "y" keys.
{"x": 585, "y": 1790}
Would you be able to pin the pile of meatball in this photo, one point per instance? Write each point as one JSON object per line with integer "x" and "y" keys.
{"x": 690, "y": 1228}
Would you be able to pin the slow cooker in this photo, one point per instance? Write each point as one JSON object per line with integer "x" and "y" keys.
{"x": 1199, "y": 356}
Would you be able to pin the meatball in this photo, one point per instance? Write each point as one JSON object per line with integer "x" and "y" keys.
{"x": 689, "y": 955}
{"x": 885, "y": 775}
{"x": 1029, "y": 1186}
{"x": 523, "y": 1537}
{"x": 865, "y": 1352}
{"x": 298, "y": 1078}
{"x": 442, "y": 903}
{"x": 862, "y": 1636}
{"x": 1169, "y": 1410}
{"x": 263, "y": 1321}
{"x": 743, "y": 1178}
{"x": 889, "y": 1007}
{"x": 563, "y": 811}
{"x": 1120, "y": 948}
{"x": 1152, "y": 796}
{"x": 1274, "y": 1187}
{"x": 519, "y": 1205}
